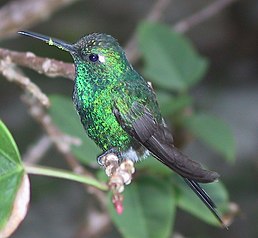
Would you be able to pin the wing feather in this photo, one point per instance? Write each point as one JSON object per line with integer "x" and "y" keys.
{"x": 141, "y": 125}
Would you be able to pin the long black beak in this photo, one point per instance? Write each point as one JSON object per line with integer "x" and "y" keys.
{"x": 51, "y": 41}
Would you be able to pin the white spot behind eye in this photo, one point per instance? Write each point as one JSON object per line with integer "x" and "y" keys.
{"x": 102, "y": 59}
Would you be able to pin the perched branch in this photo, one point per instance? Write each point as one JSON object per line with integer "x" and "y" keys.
{"x": 26, "y": 13}
{"x": 201, "y": 16}
{"x": 49, "y": 67}
{"x": 119, "y": 174}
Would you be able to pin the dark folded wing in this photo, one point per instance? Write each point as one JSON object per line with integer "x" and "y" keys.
{"x": 141, "y": 125}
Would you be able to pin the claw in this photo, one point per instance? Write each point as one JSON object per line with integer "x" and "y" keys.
{"x": 101, "y": 158}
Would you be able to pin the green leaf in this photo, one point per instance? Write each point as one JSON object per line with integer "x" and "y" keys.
{"x": 8, "y": 145}
{"x": 188, "y": 200}
{"x": 149, "y": 209}
{"x": 11, "y": 177}
{"x": 65, "y": 117}
{"x": 171, "y": 61}
{"x": 214, "y": 132}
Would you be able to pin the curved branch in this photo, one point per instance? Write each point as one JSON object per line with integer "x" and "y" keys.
{"x": 204, "y": 14}
{"x": 12, "y": 74}
{"x": 49, "y": 67}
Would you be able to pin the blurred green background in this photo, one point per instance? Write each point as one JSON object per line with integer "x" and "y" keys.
{"x": 228, "y": 90}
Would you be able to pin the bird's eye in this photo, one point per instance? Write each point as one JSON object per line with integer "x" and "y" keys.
{"x": 93, "y": 57}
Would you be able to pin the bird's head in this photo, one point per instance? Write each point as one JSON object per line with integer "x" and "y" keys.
{"x": 98, "y": 53}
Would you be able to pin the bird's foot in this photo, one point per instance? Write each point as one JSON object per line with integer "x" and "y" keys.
{"x": 101, "y": 158}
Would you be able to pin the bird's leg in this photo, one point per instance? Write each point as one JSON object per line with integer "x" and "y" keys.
{"x": 102, "y": 156}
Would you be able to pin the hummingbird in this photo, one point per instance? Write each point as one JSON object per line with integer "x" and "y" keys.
{"x": 119, "y": 110}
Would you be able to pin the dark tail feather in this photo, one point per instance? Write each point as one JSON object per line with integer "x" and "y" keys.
{"x": 205, "y": 198}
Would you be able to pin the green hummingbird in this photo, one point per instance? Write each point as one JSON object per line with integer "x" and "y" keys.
{"x": 119, "y": 110}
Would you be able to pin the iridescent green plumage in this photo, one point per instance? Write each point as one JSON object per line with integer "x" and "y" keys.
{"x": 94, "y": 100}
{"x": 119, "y": 111}
{"x": 98, "y": 85}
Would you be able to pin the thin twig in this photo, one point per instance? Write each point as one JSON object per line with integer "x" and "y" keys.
{"x": 64, "y": 174}
{"x": 11, "y": 72}
{"x": 26, "y": 13}
{"x": 155, "y": 14}
{"x": 201, "y": 16}
{"x": 37, "y": 150}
